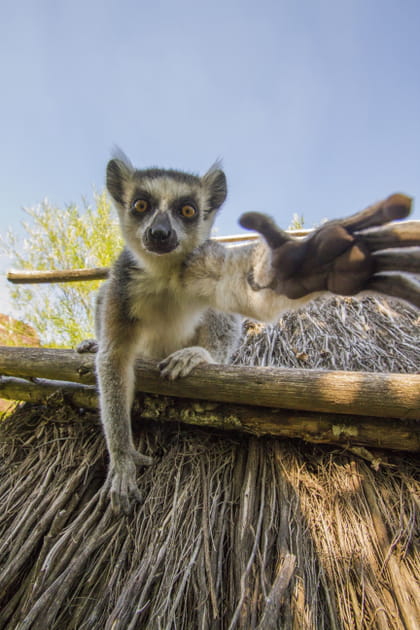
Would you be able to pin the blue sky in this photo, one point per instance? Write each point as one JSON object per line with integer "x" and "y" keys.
{"x": 314, "y": 106}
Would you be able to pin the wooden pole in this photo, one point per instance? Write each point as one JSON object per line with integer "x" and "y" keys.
{"x": 43, "y": 390}
{"x": 59, "y": 275}
{"x": 321, "y": 391}
{"x": 320, "y": 428}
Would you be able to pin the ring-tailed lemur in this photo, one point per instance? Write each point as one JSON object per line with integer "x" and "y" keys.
{"x": 177, "y": 297}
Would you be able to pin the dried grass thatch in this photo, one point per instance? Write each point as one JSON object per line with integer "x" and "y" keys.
{"x": 234, "y": 531}
{"x": 370, "y": 335}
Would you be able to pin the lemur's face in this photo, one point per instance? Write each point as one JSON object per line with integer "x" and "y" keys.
{"x": 164, "y": 211}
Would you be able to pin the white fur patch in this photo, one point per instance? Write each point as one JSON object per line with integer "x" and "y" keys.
{"x": 168, "y": 317}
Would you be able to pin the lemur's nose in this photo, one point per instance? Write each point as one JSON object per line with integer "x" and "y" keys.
{"x": 159, "y": 234}
{"x": 160, "y": 230}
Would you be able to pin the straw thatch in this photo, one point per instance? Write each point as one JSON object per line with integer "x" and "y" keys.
{"x": 234, "y": 531}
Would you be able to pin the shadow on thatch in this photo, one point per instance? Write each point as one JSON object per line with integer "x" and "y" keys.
{"x": 234, "y": 531}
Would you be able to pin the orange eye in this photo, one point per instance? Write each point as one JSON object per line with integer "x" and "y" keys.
{"x": 188, "y": 211}
{"x": 141, "y": 205}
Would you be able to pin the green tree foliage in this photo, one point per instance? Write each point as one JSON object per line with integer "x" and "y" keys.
{"x": 297, "y": 222}
{"x": 63, "y": 239}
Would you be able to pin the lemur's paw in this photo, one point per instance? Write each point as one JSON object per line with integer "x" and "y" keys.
{"x": 346, "y": 256}
{"x": 87, "y": 345}
{"x": 181, "y": 362}
{"x": 121, "y": 484}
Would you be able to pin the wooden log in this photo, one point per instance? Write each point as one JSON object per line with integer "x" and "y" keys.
{"x": 42, "y": 391}
{"x": 67, "y": 365}
{"x": 319, "y": 428}
{"x": 321, "y": 391}
{"x": 341, "y": 430}
{"x": 59, "y": 275}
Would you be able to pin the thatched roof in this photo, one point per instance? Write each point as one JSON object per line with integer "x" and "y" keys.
{"x": 234, "y": 531}
{"x": 369, "y": 334}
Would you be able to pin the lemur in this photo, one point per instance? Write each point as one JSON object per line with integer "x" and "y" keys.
{"x": 178, "y": 297}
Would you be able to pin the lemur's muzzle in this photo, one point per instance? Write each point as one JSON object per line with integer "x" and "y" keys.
{"x": 160, "y": 237}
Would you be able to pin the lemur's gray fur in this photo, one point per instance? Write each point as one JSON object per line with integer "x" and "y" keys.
{"x": 175, "y": 296}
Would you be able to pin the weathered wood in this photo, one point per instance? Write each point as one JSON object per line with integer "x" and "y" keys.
{"x": 341, "y": 430}
{"x": 321, "y": 391}
{"x": 252, "y": 236}
{"x": 59, "y": 275}
{"x": 67, "y": 365}
{"x": 42, "y": 391}
{"x": 319, "y": 428}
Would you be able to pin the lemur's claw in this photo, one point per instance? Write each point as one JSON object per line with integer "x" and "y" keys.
{"x": 121, "y": 483}
{"x": 141, "y": 459}
{"x": 87, "y": 345}
{"x": 181, "y": 362}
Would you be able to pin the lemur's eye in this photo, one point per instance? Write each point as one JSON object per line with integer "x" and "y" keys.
{"x": 188, "y": 211}
{"x": 141, "y": 205}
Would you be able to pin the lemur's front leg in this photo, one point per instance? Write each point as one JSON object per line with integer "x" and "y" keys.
{"x": 115, "y": 373}
{"x": 345, "y": 256}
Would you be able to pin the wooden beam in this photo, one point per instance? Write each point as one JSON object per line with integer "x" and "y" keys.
{"x": 42, "y": 391}
{"x": 342, "y": 430}
{"x": 320, "y": 391}
{"x": 59, "y": 275}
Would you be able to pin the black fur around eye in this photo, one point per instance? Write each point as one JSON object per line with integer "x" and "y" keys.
{"x": 141, "y": 205}
{"x": 188, "y": 211}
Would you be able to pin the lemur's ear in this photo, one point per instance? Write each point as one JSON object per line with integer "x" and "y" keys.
{"x": 118, "y": 172}
{"x": 215, "y": 181}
